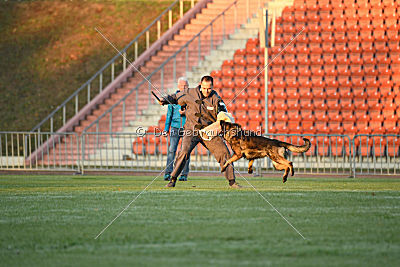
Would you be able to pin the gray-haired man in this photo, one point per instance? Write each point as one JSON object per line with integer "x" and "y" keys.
{"x": 202, "y": 107}
{"x": 174, "y": 123}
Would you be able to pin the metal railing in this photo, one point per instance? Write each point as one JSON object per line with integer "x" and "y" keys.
{"x": 376, "y": 154}
{"x": 118, "y": 64}
{"x": 329, "y": 154}
{"x": 31, "y": 151}
{"x": 189, "y": 55}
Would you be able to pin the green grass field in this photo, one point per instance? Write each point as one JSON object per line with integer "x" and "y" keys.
{"x": 53, "y": 220}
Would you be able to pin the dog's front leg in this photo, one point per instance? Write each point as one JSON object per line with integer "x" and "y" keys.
{"x": 229, "y": 161}
{"x": 250, "y": 168}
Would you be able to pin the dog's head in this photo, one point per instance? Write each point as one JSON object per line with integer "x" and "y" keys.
{"x": 229, "y": 129}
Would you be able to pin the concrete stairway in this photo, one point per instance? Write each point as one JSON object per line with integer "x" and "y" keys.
{"x": 147, "y": 113}
{"x": 143, "y": 99}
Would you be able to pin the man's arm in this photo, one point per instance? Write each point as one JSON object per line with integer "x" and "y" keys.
{"x": 221, "y": 106}
{"x": 168, "y": 119}
{"x": 177, "y": 98}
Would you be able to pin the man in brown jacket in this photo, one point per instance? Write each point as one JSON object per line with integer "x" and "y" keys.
{"x": 202, "y": 107}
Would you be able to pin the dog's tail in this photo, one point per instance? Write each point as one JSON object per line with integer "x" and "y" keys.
{"x": 298, "y": 149}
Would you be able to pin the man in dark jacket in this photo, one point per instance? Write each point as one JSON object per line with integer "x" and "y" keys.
{"x": 175, "y": 121}
{"x": 202, "y": 107}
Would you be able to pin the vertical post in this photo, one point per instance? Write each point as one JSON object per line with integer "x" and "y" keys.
{"x": 6, "y": 142}
{"x": 136, "y": 104}
{"x": 199, "y": 49}
{"x": 162, "y": 79}
{"x": 158, "y": 29}
{"x": 23, "y": 147}
{"x": 273, "y": 27}
{"x": 211, "y": 37}
{"x": 174, "y": 71}
{"x": 147, "y": 39}
{"x": 136, "y": 50}
{"x": 124, "y": 61}
{"x": 12, "y": 151}
{"x": 112, "y": 71}
{"x": 247, "y": 10}
{"x": 88, "y": 93}
{"x": 235, "y": 16}
{"x": 101, "y": 82}
{"x": 223, "y": 26}
{"x": 149, "y": 94}
{"x": 170, "y": 19}
{"x": 64, "y": 114}
{"x": 191, "y": 3}
{"x": 180, "y": 8}
{"x": 97, "y": 134}
{"x": 110, "y": 123}
{"x": 123, "y": 115}
{"x": 18, "y": 151}
{"x": 261, "y": 26}
{"x": 76, "y": 103}
{"x": 51, "y": 124}
{"x": 266, "y": 69}
{"x": 186, "y": 59}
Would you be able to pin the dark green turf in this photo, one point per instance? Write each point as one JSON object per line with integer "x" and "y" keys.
{"x": 53, "y": 220}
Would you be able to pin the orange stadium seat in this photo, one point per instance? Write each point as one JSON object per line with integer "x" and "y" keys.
{"x": 319, "y": 104}
{"x": 357, "y": 69}
{"x": 315, "y": 58}
{"x": 367, "y": 46}
{"x": 334, "y": 115}
{"x": 320, "y": 115}
{"x": 318, "y": 92}
{"x": 354, "y": 46}
{"x": 348, "y": 115}
{"x": 390, "y": 127}
{"x": 279, "y": 93}
{"x": 254, "y": 104}
{"x": 255, "y": 115}
{"x": 343, "y": 69}
{"x": 303, "y": 59}
{"x": 333, "y": 104}
{"x": 335, "y": 127}
{"x": 217, "y": 84}
{"x": 369, "y": 69}
{"x": 332, "y": 92}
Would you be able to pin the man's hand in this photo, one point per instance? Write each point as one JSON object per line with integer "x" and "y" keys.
{"x": 158, "y": 99}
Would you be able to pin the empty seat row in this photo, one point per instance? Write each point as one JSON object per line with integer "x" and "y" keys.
{"x": 327, "y": 5}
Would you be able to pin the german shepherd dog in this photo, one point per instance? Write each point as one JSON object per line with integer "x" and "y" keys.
{"x": 251, "y": 146}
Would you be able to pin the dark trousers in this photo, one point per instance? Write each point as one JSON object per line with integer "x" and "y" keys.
{"x": 174, "y": 136}
{"x": 216, "y": 146}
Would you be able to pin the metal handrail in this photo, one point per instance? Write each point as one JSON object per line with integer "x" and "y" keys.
{"x": 110, "y": 62}
{"x": 148, "y": 78}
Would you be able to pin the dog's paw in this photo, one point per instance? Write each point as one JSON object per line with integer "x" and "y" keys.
{"x": 284, "y": 178}
{"x": 250, "y": 171}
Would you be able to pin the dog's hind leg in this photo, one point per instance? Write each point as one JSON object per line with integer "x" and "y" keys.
{"x": 284, "y": 164}
{"x": 250, "y": 168}
{"x": 229, "y": 161}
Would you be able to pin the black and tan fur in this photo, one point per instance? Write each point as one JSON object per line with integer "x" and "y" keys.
{"x": 251, "y": 146}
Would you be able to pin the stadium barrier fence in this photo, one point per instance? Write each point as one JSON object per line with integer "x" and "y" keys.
{"x": 376, "y": 154}
{"x": 143, "y": 151}
{"x": 39, "y": 151}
